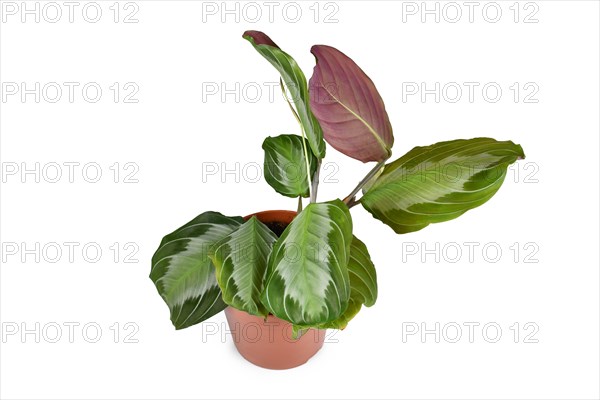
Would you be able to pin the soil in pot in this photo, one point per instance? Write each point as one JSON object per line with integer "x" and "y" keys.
{"x": 276, "y": 227}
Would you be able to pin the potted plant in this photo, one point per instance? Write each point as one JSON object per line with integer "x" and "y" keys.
{"x": 283, "y": 277}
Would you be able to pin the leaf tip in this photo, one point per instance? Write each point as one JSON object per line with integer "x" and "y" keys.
{"x": 521, "y": 152}
{"x": 259, "y": 38}
{"x": 317, "y": 49}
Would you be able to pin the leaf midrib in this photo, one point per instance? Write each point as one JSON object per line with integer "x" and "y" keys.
{"x": 369, "y": 127}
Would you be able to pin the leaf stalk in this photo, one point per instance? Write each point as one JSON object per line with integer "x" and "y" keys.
{"x": 350, "y": 200}
{"x": 313, "y": 196}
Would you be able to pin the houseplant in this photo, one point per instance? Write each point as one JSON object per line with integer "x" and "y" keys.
{"x": 308, "y": 272}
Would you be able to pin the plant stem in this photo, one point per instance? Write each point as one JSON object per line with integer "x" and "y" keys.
{"x": 315, "y": 183}
{"x": 282, "y": 85}
{"x": 299, "y": 204}
{"x": 351, "y": 197}
{"x": 307, "y": 165}
{"x": 352, "y": 202}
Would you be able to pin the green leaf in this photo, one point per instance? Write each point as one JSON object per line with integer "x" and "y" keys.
{"x": 296, "y": 83}
{"x": 439, "y": 182}
{"x": 363, "y": 277}
{"x": 184, "y": 275}
{"x": 307, "y": 277}
{"x": 363, "y": 284}
{"x": 285, "y": 167}
{"x": 241, "y": 262}
{"x": 342, "y": 321}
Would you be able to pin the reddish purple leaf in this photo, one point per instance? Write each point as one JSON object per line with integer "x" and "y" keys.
{"x": 347, "y": 105}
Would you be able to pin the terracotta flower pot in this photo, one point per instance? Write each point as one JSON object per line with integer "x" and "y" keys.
{"x": 269, "y": 344}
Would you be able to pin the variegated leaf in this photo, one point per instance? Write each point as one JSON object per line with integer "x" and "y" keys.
{"x": 307, "y": 278}
{"x": 184, "y": 275}
{"x": 439, "y": 182}
{"x": 285, "y": 166}
{"x": 354, "y": 307}
{"x": 240, "y": 259}
{"x": 363, "y": 284}
{"x": 296, "y": 83}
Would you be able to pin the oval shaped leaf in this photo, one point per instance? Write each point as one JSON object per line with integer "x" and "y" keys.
{"x": 348, "y": 107}
{"x": 363, "y": 277}
{"x": 363, "y": 284}
{"x": 184, "y": 275}
{"x": 295, "y": 81}
{"x": 439, "y": 182}
{"x": 240, "y": 259}
{"x": 307, "y": 278}
{"x": 285, "y": 166}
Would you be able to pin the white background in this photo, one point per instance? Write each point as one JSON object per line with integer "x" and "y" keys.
{"x": 549, "y": 202}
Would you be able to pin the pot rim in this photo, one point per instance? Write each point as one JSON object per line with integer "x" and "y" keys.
{"x": 285, "y": 216}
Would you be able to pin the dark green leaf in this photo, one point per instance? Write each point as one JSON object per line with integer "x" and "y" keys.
{"x": 363, "y": 284}
{"x": 285, "y": 166}
{"x": 183, "y": 273}
{"x": 307, "y": 278}
{"x": 296, "y": 83}
{"x": 240, "y": 259}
